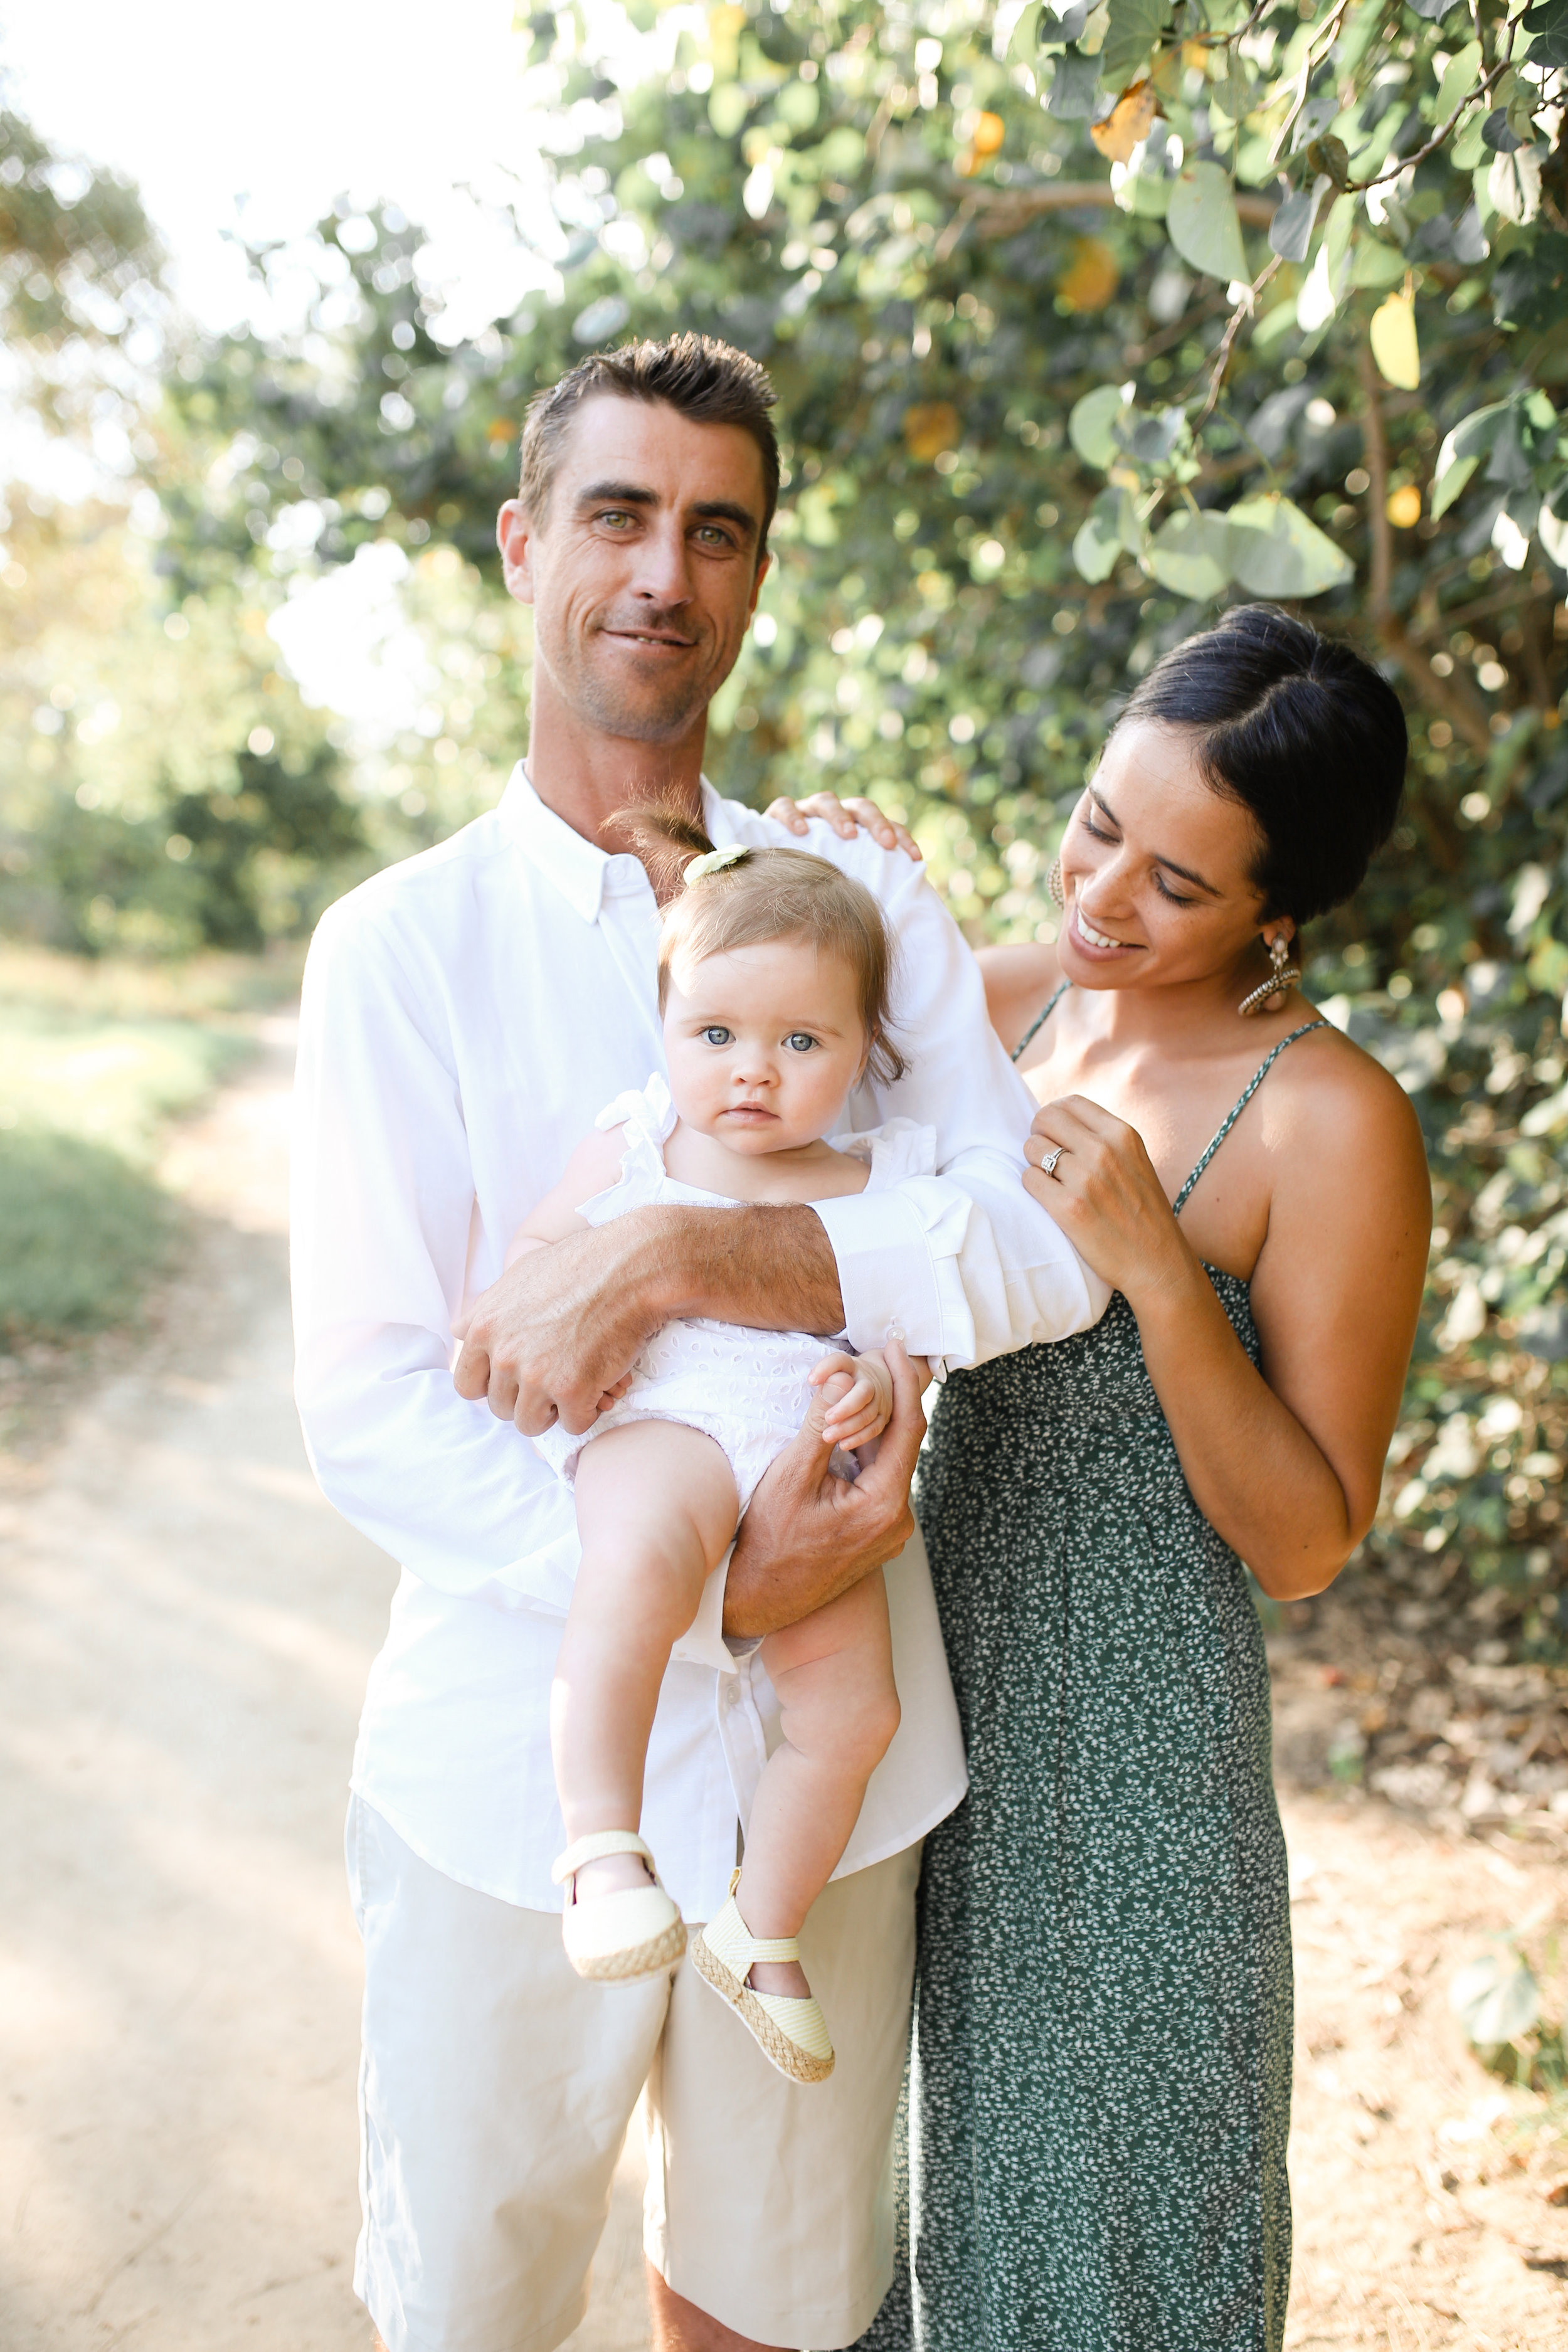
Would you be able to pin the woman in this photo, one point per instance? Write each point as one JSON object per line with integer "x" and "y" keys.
{"x": 1102, "y": 2068}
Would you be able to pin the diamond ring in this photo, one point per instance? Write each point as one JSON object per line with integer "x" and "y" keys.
{"x": 1048, "y": 1167}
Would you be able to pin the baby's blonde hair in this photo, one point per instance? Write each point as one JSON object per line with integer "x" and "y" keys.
{"x": 762, "y": 895}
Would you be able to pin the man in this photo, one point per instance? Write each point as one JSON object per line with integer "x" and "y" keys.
{"x": 466, "y": 1016}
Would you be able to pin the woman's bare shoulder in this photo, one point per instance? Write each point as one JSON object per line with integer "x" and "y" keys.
{"x": 1339, "y": 1109}
{"x": 1018, "y": 982}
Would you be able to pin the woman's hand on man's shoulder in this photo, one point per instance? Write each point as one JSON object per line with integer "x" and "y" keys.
{"x": 848, "y": 817}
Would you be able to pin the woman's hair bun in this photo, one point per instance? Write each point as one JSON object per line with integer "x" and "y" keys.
{"x": 1307, "y": 735}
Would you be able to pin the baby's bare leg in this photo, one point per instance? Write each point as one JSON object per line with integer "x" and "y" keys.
{"x": 655, "y": 1509}
{"x": 834, "y": 1676}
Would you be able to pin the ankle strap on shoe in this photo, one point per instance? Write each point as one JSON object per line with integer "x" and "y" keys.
{"x": 597, "y": 1848}
{"x": 729, "y": 1936}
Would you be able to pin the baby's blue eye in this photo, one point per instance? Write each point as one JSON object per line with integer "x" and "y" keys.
{"x": 799, "y": 1043}
{"x": 715, "y": 1035}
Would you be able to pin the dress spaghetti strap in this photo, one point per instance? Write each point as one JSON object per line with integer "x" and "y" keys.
{"x": 1038, "y": 1022}
{"x": 1246, "y": 1096}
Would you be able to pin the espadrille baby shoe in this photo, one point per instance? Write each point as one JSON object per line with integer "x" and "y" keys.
{"x": 792, "y": 2034}
{"x": 635, "y": 1932}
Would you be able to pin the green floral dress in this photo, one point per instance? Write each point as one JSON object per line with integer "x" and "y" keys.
{"x": 1099, "y": 2090}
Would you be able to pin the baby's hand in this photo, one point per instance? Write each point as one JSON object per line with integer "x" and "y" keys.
{"x": 858, "y": 1393}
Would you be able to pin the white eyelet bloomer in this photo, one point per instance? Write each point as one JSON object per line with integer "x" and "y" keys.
{"x": 747, "y": 1390}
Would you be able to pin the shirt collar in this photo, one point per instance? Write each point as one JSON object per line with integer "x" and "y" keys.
{"x": 580, "y": 871}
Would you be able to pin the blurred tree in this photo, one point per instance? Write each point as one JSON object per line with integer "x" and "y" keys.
{"x": 162, "y": 786}
{"x": 1085, "y": 320}
{"x": 81, "y": 289}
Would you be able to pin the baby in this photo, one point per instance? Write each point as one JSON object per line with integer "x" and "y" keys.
{"x": 774, "y": 975}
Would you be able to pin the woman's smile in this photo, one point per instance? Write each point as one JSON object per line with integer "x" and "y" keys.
{"x": 1095, "y": 942}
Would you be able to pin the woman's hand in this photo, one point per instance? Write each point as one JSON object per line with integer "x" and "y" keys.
{"x": 847, "y": 818}
{"x": 1103, "y": 1192}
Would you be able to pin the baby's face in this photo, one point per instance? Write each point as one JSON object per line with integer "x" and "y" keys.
{"x": 763, "y": 1045}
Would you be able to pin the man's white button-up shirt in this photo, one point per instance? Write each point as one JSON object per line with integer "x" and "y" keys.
{"x": 466, "y": 1016}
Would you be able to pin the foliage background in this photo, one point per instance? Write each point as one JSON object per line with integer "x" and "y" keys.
{"x": 1029, "y": 366}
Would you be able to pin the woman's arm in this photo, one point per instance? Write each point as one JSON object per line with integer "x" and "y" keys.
{"x": 1287, "y": 1465}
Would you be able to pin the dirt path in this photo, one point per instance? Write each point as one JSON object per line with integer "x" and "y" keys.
{"x": 185, "y": 1631}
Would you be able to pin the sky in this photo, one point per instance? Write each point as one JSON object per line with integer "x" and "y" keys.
{"x": 205, "y": 105}
{"x": 226, "y": 118}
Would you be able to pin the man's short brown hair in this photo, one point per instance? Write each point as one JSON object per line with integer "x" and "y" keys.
{"x": 701, "y": 378}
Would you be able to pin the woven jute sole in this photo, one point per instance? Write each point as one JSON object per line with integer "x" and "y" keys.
{"x": 648, "y": 1959}
{"x": 786, "y": 2055}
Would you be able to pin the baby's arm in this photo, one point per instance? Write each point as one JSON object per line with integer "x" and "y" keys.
{"x": 858, "y": 1392}
{"x": 592, "y": 1168}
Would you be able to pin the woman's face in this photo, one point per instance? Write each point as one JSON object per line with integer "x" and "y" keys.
{"x": 1157, "y": 870}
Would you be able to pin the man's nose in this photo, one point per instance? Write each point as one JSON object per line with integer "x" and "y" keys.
{"x": 663, "y": 572}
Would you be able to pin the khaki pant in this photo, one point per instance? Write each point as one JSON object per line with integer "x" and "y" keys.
{"x": 495, "y": 2090}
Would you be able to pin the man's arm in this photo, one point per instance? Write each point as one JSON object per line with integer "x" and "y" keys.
{"x": 563, "y": 1325}
{"x": 382, "y": 1203}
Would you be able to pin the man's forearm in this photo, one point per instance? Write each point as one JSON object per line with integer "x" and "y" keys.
{"x": 771, "y": 1268}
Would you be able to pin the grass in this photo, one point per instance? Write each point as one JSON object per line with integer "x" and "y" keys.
{"x": 97, "y": 1058}
{"x": 84, "y": 1232}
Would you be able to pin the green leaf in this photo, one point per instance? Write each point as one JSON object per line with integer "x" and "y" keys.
{"x": 1337, "y": 237}
{"x": 1460, "y": 76}
{"x": 1375, "y": 263}
{"x": 1274, "y": 550}
{"x": 1290, "y": 230}
{"x": 1203, "y": 223}
{"x": 1091, "y": 426}
{"x": 1073, "y": 86}
{"x": 1496, "y": 1999}
{"x": 1447, "y": 484}
{"x": 1135, "y": 26}
{"x": 1553, "y": 531}
{"x": 1462, "y": 452}
{"x": 1513, "y": 183}
{"x": 1190, "y": 554}
{"x": 1097, "y": 549}
{"x": 1026, "y": 37}
{"x": 1548, "y": 28}
{"x": 728, "y": 107}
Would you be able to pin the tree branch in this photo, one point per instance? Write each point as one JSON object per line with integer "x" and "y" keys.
{"x": 1002, "y": 212}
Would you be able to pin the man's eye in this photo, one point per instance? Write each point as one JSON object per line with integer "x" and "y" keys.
{"x": 711, "y": 536}
{"x": 617, "y": 518}
{"x": 714, "y": 1035}
{"x": 799, "y": 1043}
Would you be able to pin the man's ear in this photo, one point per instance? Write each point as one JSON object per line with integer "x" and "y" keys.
{"x": 514, "y": 537}
{"x": 764, "y": 568}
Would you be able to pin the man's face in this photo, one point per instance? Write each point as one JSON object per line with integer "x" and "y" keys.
{"x": 643, "y": 574}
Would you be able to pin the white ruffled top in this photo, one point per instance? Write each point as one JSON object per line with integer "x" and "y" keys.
{"x": 896, "y": 1151}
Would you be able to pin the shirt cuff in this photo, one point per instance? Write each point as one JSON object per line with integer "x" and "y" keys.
{"x": 898, "y": 1258}
{"x": 703, "y": 1643}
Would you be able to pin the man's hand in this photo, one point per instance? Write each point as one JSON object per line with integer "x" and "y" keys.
{"x": 557, "y": 1334}
{"x": 560, "y": 1330}
{"x": 808, "y": 1537}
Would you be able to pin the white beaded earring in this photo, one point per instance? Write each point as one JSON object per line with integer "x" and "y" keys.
{"x": 1273, "y": 992}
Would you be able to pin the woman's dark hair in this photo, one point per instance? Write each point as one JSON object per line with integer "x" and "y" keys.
{"x": 1304, "y": 733}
